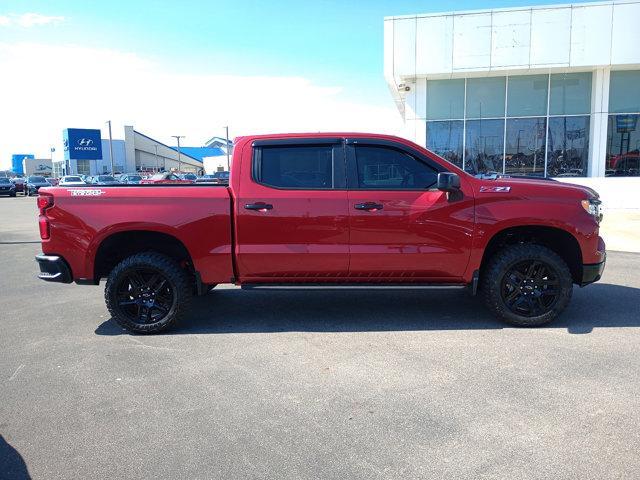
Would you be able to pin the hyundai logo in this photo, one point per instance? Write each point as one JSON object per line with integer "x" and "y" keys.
{"x": 85, "y": 142}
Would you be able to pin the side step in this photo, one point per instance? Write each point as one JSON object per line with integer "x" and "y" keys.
{"x": 353, "y": 286}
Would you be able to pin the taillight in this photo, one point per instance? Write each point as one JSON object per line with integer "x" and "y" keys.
{"x": 45, "y": 201}
{"x": 43, "y": 224}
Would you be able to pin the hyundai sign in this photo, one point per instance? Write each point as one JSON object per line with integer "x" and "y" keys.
{"x": 82, "y": 144}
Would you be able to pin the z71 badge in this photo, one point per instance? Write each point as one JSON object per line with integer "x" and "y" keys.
{"x": 495, "y": 189}
{"x": 86, "y": 193}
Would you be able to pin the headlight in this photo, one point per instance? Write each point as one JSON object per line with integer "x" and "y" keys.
{"x": 593, "y": 207}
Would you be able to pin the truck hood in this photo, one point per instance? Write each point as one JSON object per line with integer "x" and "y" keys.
{"x": 544, "y": 187}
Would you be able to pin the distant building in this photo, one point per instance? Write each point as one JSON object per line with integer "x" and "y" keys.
{"x": 136, "y": 153}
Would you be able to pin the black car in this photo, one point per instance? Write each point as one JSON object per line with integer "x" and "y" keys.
{"x": 7, "y": 187}
{"x": 221, "y": 177}
{"x": 34, "y": 183}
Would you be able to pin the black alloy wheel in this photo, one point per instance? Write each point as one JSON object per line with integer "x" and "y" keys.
{"x": 530, "y": 288}
{"x": 144, "y": 296}
{"x": 526, "y": 285}
{"x": 148, "y": 292}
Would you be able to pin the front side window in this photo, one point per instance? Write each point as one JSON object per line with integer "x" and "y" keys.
{"x": 382, "y": 168}
{"x": 295, "y": 166}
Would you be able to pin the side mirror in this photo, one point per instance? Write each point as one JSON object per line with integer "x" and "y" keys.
{"x": 448, "y": 182}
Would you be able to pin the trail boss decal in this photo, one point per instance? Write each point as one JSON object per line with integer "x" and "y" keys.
{"x": 495, "y": 189}
{"x": 86, "y": 192}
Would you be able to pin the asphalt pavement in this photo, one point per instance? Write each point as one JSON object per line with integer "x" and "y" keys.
{"x": 313, "y": 384}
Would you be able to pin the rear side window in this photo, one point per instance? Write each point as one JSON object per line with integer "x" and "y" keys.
{"x": 296, "y": 167}
{"x": 383, "y": 168}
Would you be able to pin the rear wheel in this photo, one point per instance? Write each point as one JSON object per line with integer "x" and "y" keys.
{"x": 147, "y": 293}
{"x": 527, "y": 285}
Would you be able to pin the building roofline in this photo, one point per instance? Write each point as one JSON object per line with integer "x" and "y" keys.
{"x": 510, "y": 9}
{"x": 165, "y": 145}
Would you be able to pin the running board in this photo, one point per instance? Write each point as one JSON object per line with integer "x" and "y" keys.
{"x": 353, "y": 286}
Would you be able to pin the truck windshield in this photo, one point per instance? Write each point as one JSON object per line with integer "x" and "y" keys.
{"x": 106, "y": 178}
{"x": 72, "y": 179}
{"x": 37, "y": 179}
{"x": 4, "y": 180}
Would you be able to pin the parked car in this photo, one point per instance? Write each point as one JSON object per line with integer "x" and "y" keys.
{"x": 19, "y": 183}
{"x": 53, "y": 181}
{"x": 189, "y": 176}
{"x": 103, "y": 180}
{"x": 71, "y": 181}
{"x": 7, "y": 187}
{"x": 166, "y": 178}
{"x": 130, "y": 178}
{"x": 206, "y": 178}
{"x": 328, "y": 210}
{"x": 34, "y": 183}
{"x": 222, "y": 177}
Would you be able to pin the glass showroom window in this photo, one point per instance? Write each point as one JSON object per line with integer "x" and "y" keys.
{"x": 445, "y": 139}
{"x": 484, "y": 128}
{"x": 521, "y": 125}
{"x": 623, "y": 132}
{"x": 568, "y": 135}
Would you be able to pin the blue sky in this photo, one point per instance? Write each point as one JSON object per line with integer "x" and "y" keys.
{"x": 329, "y": 43}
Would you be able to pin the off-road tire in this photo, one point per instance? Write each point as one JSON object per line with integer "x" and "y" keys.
{"x": 502, "y": 262}
{"x": 177, "y": 279}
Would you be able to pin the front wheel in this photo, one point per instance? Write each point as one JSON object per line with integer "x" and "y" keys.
{"x": 147, "y": 293}
{"x": 527, "y": 285}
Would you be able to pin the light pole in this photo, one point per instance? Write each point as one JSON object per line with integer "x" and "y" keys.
{"x": 178, "y": 137}
{"x": 111, "y": 147}
{"x": 157, "y": 161}
{"x": 227, "y": 148}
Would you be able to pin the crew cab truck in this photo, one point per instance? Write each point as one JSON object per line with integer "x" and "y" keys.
{"x": 332, "y": 209}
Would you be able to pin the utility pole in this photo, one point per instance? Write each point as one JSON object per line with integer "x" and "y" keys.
{"x": 111, "y": 147}
{"x": 227, "y": 148}
{"x": 178, "y": 137}
{"x": 157, "y": 161}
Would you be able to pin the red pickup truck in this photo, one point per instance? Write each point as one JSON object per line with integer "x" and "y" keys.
{"x": 326, "y": 209}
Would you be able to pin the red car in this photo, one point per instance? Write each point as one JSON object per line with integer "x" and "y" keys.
{"x": 19, "y": 183}
{"x": 166, "y": 178}
{"x": 341, "y": 209}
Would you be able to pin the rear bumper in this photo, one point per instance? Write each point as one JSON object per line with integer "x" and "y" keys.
{"x": 592, "y": 272}
{"x": 53, "y": 269}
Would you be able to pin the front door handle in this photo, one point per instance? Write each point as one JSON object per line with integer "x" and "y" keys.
{"x": 260, "y": 206}
{"x": 369, "y": 206}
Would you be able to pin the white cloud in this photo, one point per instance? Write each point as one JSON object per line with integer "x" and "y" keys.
{"x": 28, "y": 20}
{"x": 55, "y": 87}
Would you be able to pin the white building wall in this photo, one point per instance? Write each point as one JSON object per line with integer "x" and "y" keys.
{"x": 534, "y": 38}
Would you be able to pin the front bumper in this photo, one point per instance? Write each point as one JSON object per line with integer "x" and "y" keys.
{"x": 53, "y": 269}
{"x": 592, "y": 272}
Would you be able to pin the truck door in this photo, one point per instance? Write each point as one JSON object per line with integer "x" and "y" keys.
{"x": 401, "y": 227}
{"x": 292, "y": 212}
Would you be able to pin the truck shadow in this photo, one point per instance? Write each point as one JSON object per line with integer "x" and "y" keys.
{"x": 280, "y": 310}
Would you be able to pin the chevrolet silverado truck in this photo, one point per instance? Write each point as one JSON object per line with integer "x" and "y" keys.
{"x": 336, "y": 209}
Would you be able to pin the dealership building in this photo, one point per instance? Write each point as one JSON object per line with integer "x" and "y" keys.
{"x": 86, "y": 153}
{"x": 544, "y": 90}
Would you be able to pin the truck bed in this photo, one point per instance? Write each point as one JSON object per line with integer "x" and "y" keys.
{"x": 197, "y": 215}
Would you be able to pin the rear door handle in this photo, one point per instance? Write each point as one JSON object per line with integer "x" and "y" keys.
{"x": 258, "y": 206}
{"x": 369, "y": 206}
